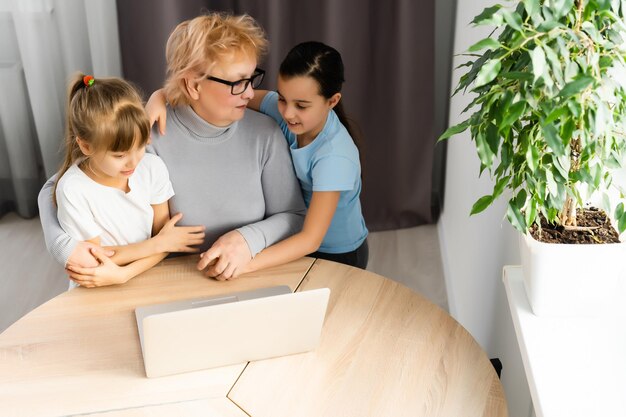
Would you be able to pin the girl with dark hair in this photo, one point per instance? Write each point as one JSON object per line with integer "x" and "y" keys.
{"x": 307, "y": 107}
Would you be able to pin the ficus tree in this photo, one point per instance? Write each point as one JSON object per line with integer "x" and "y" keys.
{"x": 548, "y": 111}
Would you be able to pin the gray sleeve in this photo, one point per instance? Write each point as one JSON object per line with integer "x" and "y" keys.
{"x": 284, "y": 206}
{"x": 59, "y": 244}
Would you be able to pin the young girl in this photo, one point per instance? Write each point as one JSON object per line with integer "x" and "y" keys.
{"x": 108, "y": 192}
{"x": 308, "y": 109}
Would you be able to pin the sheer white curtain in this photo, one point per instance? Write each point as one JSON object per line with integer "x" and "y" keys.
{"x": 42, "y": 43}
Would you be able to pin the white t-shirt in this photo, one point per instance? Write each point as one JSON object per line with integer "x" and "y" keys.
{"x": 87, "y": 209}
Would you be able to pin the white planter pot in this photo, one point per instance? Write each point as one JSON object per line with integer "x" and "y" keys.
{"x": 566, "y": 280}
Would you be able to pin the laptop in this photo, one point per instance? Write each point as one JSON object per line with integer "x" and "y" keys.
{"x": 196, "y": 334}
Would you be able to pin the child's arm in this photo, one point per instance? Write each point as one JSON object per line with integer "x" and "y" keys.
{"x": 255, "y": 102}
{"x": 156, "y": 110}
{"x": 167, "y": 237}
{"x": 109, "y": 273}
{"x": 316, "y": 223}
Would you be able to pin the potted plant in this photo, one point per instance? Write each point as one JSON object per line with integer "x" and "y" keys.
{"x": 548, "y": 122}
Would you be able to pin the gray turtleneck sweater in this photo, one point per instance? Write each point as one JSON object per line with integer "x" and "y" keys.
{"x": 238, "y": 177}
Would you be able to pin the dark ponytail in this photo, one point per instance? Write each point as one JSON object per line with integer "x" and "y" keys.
{"x": 324, "y": 64}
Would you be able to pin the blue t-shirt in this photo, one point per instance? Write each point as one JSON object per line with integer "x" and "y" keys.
{"x": 329, "y": 163}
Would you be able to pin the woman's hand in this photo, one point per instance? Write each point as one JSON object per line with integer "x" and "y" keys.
{"x": 106, "y": 273}
{"x": 227, "y": 257}
{"x": 179, "y": 239}
{"x": 156, "y": 110}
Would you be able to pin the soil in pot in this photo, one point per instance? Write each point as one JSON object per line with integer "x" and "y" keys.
{"x": 596, "y": 220}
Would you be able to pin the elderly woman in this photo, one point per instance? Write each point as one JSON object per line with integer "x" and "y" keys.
{"x": 229, "y": 166}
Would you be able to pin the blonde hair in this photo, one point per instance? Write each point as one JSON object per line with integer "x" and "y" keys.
{"x": 196, "y": 45}
{"x": 108, "y": 115}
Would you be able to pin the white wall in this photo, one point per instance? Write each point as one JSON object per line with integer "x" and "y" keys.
{"x": 474, "y": 249}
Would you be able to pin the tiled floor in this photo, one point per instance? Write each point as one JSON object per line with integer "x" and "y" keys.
{"x": 30, "y": 276}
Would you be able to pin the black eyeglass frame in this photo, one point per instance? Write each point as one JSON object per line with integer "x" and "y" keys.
{"x": 257, "y": 75}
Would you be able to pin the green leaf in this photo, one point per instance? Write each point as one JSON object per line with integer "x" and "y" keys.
{"x": 552, "y": 187}
{"x": 548, "y": 26}
{"x": 567, "y": 129}
{"x": 482, "y": 203}
{"x": 615, "y": 37}
{"x": 621, "y": 223}
{"x": 576, "y": 86}
{"x": 513, "y": 75}
{"x": 488, "y": 16}
{"x": 505, "y": 158}
{"x": 613, "y": 161}
{"x": 514, "y": 112}
{"x": 596, "y": 172}
{"x": 600, "y": 122}
{"x": 487, "y": 43}
{"x": 583, "y": 175}
{"x": 456, "y": 129}
{"x": 559, "y": 199}
{"x": 561, "y": 7}
{"x": 562, "y": 165}
{"x": 470, "y": 76}
{"x": 604, "y": 4}
{"x": 615, "y": 5}
{"x": 592, "y": 31}
{"x": 546, "y": 10}
{"x": 531, "y": 6}
{"x": 531, "y": 212}
{"x": 500, "y": 186}
{"x": 539, "y": 62}
{"x": 619, "y": 210}
{"x": 488, "y": 72}
{"x": 514, "y": 215}
{"x": 484, "y": 153}
{"x": 552, "y": 139}
{"x": 532, "y": 158}
{"x": 512, "y": 19}
{"x": 493, "y": 138}
{"x": 577, "y": 196}
{"x": 555, "y": 115}
{"x": 555, "y": 63}
{"x": 520, "y": 198}
{"x": 620, "y": 216}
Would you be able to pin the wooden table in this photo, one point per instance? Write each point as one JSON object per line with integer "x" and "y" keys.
{"x": 384, "y": 351}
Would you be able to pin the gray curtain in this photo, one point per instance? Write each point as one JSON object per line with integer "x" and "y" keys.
{"x": 389, "y": 54}
{"x": 21, "y": 167}
{"x": 41, "y": 44}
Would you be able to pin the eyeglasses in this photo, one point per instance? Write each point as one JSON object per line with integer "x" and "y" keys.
{"x": 238, "y": 87}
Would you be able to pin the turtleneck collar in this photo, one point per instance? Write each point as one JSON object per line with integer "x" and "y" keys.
{"x": 200, "y": 129}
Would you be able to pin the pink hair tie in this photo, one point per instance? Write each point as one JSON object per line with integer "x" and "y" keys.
{"x": 88, "y": 80}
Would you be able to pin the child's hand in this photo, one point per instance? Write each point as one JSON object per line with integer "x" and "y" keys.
{"x": 106, "y": 273}
{"x": 156, "y": 110}
{"x": 179, "y": 239}
{"x": 81, "y": 255}
{"x": 227, "y": 257}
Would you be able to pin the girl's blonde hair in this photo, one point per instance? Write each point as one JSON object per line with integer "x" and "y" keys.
{"x": 108, "y": 115}
{"x": 196, "y": 45}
